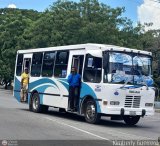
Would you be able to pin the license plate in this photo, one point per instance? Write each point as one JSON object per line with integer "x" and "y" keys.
{"x": 132, "y": 113}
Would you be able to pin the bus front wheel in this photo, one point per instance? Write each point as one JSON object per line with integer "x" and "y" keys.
{"x": 90, "y": 112}
{"x": 131, "y": 120}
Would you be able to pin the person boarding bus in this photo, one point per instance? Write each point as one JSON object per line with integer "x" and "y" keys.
{"x": 24, "y": 85}
{"x": 74, "y": 80}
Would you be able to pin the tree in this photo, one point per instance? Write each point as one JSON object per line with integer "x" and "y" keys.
{"x": 13, "y": 22}
{"x": 67, "y": 22}
{"x": 73, "y": 23}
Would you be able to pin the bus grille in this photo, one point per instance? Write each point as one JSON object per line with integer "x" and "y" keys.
{"x": 132, "y": 101}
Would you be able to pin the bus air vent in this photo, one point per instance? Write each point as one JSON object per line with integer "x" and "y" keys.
{"x": 132, "y": 101}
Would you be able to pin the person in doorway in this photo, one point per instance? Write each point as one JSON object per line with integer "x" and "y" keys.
{"x": 74, "y": 80}
{"x": 24, "y": 85}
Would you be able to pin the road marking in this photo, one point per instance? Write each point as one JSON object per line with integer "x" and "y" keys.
{"x": 109, "y": 130}
{"x": 84, "y": 131}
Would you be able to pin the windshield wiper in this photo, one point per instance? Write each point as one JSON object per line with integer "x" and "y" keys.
{"x": 126, "y": 82}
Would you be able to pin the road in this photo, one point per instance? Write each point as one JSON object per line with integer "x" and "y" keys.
{"x": 18, "y": 123}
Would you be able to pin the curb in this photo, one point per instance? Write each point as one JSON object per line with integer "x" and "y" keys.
{"x": 157, "y": 110}
{"x": 157, "y": 106}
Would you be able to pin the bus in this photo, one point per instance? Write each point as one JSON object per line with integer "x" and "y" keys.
{"x": 116, "y": 81}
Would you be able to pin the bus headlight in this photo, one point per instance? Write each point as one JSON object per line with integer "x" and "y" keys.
{"x": 114, "y": 102}
{"x": 149, "y": 104}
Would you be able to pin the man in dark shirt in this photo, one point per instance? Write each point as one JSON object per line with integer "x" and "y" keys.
{"x": 74, "y": 80}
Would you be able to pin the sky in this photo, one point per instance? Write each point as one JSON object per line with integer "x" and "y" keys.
{"x": 144, "y": 11}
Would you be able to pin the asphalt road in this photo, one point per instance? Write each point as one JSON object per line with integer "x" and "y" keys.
{"x": 18, "y": 123}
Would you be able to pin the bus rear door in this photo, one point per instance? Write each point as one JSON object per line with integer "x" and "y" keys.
{"x": 23, "y": 61}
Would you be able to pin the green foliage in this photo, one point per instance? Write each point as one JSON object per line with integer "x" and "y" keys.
{"x": 64, "y": 23}
{"x": 13, "y": 22}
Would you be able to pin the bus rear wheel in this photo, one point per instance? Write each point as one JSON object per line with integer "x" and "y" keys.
{"x": 35, "y": 105}
{"x": 131, "y": 120}
{"x": 90, "y": 112}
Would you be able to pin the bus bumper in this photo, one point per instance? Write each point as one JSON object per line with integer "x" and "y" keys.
{"x": 129, "y": 111}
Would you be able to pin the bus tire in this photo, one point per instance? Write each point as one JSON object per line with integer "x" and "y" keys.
{"x": 131, "y": 120}
{"x": 90, "y": 112}
{"x": 62, "y": 110}
{"x": 35, "y": 101}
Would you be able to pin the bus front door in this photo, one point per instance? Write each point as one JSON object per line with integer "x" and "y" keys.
{"x": 77, "y": 62}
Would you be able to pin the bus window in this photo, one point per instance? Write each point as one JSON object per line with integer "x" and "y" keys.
{"x": 77, "y": 61}
{"x": 61, "y": 64}
{"x": 92, "y": 69}
{"x": 19, "y": 64}
{"x": 48, "y": 63}
{"x": 36, "y": 64}
{"x": 27, "y": 62}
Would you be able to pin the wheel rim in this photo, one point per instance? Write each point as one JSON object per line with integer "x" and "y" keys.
{"x": 35, "y": 102}
{"x": 90, "y": 111}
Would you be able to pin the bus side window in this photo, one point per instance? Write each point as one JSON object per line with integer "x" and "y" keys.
{"x": 19, "y": 64}
{"x": 61, "y": 64}
{"x": 36, "y": 64}
{"x": 48, "y": 63}
{"x": 92, "y": 69}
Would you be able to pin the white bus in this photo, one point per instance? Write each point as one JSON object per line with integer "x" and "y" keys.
{"x": 116, "y": 81}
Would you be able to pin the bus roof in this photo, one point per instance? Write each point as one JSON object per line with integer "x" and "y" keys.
{"x": 88, "y": 46}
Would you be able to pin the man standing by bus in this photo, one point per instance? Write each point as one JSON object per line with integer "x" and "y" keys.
{"x": 24, "y": 85}
{"x": 74, "y": 80}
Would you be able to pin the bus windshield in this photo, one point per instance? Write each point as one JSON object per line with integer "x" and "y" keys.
{"x": 131, "y": 68}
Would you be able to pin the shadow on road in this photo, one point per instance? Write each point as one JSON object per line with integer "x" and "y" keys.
{"x": 105, "y": 121}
